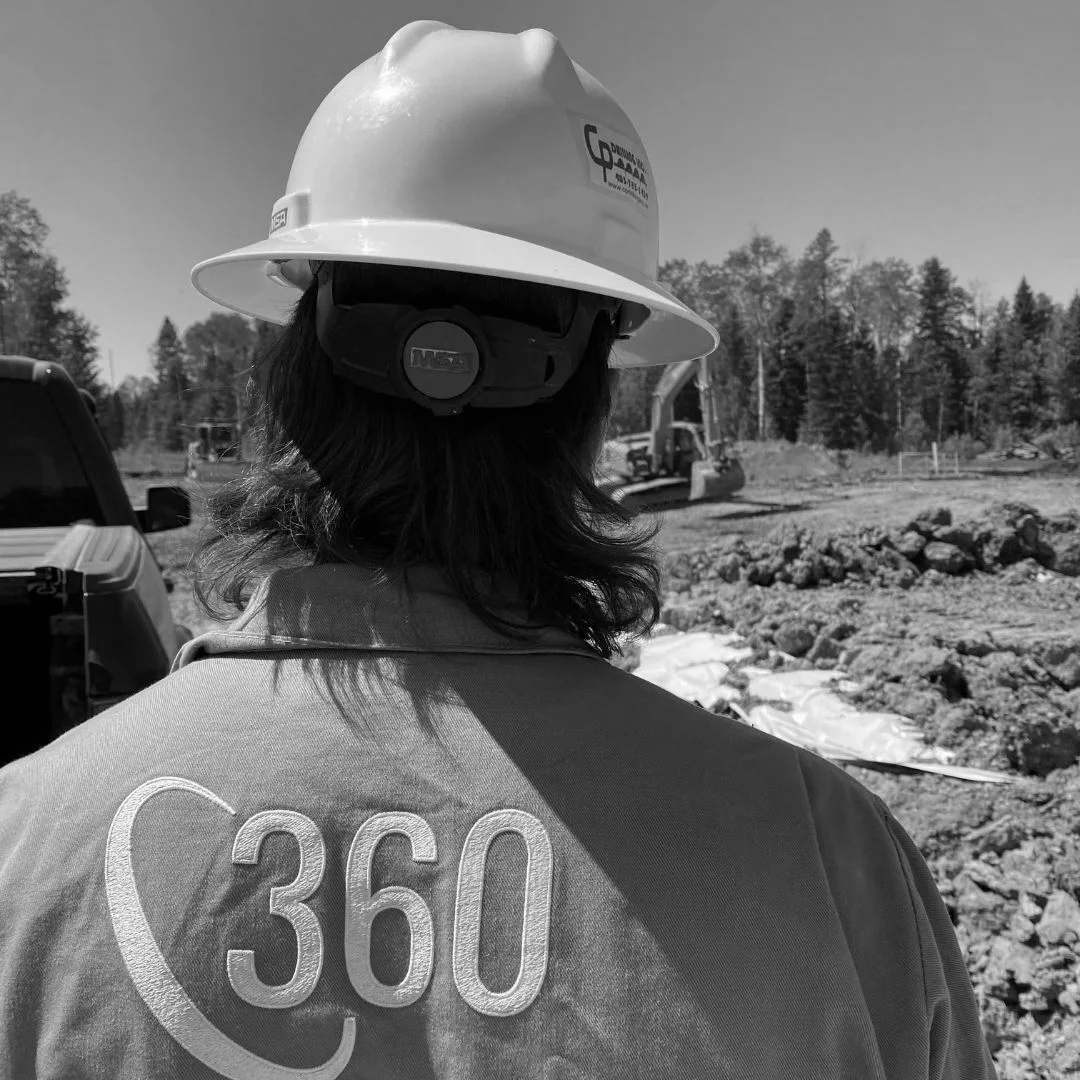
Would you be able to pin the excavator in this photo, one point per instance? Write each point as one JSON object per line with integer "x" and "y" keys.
{"x": 675, "y": 462}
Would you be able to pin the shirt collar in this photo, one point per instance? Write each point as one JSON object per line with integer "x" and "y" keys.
{"x": 349, "y": 607}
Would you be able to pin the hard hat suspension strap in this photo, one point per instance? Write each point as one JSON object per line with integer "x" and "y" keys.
{"x": 447, "y": 358}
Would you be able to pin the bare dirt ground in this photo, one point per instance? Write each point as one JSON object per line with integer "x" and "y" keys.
{"x": 969, "y": 624}
{"x": 983, "y": 654}
{"x": 885, "y": 502}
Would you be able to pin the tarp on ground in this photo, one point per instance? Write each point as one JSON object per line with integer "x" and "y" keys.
{"x": 801, "y": 707}
{"x": 694, "y": 666}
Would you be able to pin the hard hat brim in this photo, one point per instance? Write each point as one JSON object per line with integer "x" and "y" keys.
{"x": 239, "y": 279}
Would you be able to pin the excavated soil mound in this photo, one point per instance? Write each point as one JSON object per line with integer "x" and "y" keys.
{"x": 1009, "y": 533}
{"x": 972, "y": 630}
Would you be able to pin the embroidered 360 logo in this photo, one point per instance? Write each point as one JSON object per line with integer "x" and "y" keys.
{"x": 180, "y": 1016}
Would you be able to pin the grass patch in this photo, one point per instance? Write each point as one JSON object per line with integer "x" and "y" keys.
{"x": 140, "y": 461}
{"x": 776, "y": 461}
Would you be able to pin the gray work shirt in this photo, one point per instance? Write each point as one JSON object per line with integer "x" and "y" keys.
{"x": 359, "y": 835}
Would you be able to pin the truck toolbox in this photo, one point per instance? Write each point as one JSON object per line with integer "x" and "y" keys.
{"x": 84, "y": 609}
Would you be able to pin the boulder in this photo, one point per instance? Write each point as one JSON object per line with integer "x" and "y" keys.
{"x": 1062, "y": 660}
{"x": 839, "y": 631}
{"x": 1067, "y": 556}
{"x": 1027, "y": 533}
{"x": 806, "y": 573}
{"x": 728, "y": 566}
{"x": 1060, "y": 922}
{"x": 926, "y": 521}
{"x": 1008, "y": 534}
{"x": 794, "y": 637}
{"x": 764, "y": 571}
{"x": 1009, "y": 962}
{"x": 910, "y": 544}
{"x": 960, "y": 536}
{"x": 832, "y": 569}
{"x": 947, "y": 558}
{"x": 787, "y": 540}
{"x": 1021, "y": 929}
{"x": 873, "y": 536}
{"x": 906, "y": 576}
{"x": 825, "y": 649}
{"x": 686, "y": 616}
{"x": 974, "y": 645}
{"x": 1022, "y": 572}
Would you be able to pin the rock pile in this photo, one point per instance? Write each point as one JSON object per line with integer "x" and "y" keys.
{"x": 959, "y": 627}
{"x": 1007, "y": 864}
{"x": 1011, "y": 533}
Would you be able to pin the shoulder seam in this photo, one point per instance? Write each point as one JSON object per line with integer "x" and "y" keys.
{"x": 887, "y": 818}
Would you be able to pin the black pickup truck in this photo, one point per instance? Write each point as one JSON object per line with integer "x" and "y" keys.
{"x": 84, "y": 607}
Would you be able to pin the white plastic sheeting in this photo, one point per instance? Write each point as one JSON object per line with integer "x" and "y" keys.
{"x": 803, "y": 707}
{"x": 695, "y": 666}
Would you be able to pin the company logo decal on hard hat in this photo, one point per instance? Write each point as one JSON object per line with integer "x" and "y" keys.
{"x": 616, "y": 163}
{"x": 279, "y": 218}
{"x": 441, "y": 360}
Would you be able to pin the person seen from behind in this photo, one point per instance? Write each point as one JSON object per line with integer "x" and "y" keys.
{"x": 402, "y": 818}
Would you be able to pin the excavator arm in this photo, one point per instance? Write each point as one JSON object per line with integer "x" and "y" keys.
{"x": 675, "y": 377}
{"x": 712, "y": 476}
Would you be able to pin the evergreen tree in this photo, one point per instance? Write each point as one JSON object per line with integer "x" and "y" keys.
{"x": 170, "y": 405}
{"x": 1046, "y": 313}
{"x": 990, "y": 393}
{"x": 819, "y": 279}
{"x": 834, "y": 375}
{"x": 939, "y": 370}
{"x": 1026, "y": 357}
{"x": 1026, "y": 319}
{"x": 1068, "y": 374}
{"x": 832, "y": 404}
{"x": 74, "y": 347}
{"x": 786, "y": 375}
{"x": 219, "y": 351}
{"x": 211, "y": 394}
{"x": 45, "y": 316}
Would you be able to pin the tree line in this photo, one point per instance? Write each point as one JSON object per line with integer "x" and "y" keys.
{"x": 34, "y": 317}
{"x": 873, "y": 355}
{"x": 818, "y": 349}
{"x": 202, "y": 374}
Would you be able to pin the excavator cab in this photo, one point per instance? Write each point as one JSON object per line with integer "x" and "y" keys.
{"x": 687, "y": 447}
{"x": 676, "y": 461}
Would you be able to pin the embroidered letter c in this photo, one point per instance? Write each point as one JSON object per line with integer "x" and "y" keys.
{"x": 153, "y": 979}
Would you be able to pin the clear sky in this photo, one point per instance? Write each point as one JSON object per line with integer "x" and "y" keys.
{"x": 151, "y": 134}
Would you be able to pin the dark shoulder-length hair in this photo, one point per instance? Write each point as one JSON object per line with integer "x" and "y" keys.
{"x": 342, "y": 474}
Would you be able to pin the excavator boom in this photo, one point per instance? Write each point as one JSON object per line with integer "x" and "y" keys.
{"x": 678, "y": 474}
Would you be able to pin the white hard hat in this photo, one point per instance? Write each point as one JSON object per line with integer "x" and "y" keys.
{"x": 471, "y": 151}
